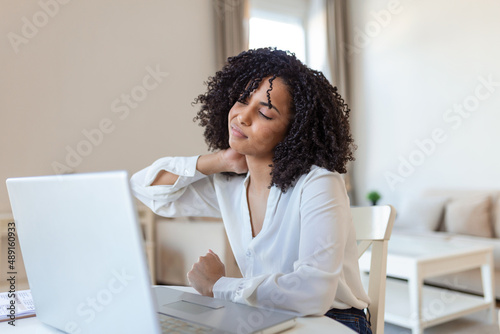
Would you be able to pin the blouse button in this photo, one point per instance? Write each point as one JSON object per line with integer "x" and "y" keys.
{"x": 248, "y": 253}
{"x": 186, "y": 172}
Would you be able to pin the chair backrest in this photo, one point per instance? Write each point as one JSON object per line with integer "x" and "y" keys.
{"x": 373, "y": 226}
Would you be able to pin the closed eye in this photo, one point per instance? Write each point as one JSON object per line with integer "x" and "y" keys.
{"x": 268, "y": 118}
{"x": 244, "y": 102}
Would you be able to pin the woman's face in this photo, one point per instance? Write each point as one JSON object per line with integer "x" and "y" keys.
{"x": 254, "y": 128}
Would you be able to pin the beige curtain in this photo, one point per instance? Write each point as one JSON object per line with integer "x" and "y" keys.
{"x": 231, "y": 28}
{"x": 336, "y": 32}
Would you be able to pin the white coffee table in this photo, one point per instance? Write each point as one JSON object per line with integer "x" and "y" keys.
{"x": 411, "y": 259}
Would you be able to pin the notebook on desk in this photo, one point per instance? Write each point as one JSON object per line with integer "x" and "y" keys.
{"x": 85, "y": 261}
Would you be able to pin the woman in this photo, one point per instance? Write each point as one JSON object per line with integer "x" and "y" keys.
{"x": 281, "y": 137}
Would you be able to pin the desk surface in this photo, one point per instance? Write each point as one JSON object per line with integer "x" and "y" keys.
{"x": 305, "y": 325}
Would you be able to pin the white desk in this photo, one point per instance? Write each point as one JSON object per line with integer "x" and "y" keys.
{"x": 305, "y": 325}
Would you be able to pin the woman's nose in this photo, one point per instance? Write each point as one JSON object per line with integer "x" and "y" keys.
{"x": 244, "y": 117}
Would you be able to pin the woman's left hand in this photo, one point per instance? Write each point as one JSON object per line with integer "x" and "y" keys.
{"x": 205, "y": 273}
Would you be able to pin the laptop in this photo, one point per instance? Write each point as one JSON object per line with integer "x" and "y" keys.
{"x": 84, "y": 256}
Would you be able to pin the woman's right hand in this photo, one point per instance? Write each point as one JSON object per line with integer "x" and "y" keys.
{"x": 222, "y": 161}
{"x": 233, "y": 161}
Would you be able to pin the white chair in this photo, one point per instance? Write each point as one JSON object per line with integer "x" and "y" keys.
{"x": 148, "y": 227}
{"x": 373, "y": 226}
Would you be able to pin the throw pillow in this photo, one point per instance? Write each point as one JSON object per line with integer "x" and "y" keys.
{"x": 422, "y": 213}
{"x": 469, "y": 216}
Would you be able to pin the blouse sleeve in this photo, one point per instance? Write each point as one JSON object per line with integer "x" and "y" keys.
{"x": 310, "y": 288}
{"x": 193, "y": 194}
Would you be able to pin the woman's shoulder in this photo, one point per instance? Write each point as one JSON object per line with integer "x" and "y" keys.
{"x": 321, "y": 172}
{"x": 320, "y": 186}
{"x": 320, "y": 176}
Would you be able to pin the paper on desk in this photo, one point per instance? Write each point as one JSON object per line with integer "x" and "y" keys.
{"x": 24, "y": 304}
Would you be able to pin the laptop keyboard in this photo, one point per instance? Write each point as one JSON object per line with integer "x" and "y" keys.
{"x": 173, "y": 325}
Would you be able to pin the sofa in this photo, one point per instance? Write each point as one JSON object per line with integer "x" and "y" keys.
{"x": 465, "y": 216}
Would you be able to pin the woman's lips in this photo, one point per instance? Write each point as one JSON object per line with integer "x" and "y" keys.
{"x": 235, "y": 131}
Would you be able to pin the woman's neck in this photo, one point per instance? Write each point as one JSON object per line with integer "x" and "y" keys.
{"x": 260, "y": 173}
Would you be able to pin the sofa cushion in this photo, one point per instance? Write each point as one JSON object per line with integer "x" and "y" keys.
{"x": 421, "y": 213}
{"x": 470, "y": 216}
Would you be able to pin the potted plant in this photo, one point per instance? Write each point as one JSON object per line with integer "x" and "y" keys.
{"x": 373, "y": 197}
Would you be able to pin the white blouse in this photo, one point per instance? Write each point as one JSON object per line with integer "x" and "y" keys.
{"x": 305, "y": 257}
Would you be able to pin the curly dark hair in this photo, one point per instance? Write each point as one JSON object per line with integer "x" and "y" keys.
{"x": 318, "y": 133}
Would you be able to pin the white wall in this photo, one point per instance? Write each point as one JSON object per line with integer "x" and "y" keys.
{"x": 409, "y": 72}
{"x": 64, "y": 78}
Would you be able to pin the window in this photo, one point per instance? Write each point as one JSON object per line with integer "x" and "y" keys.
{"x": 278, "y": 24}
